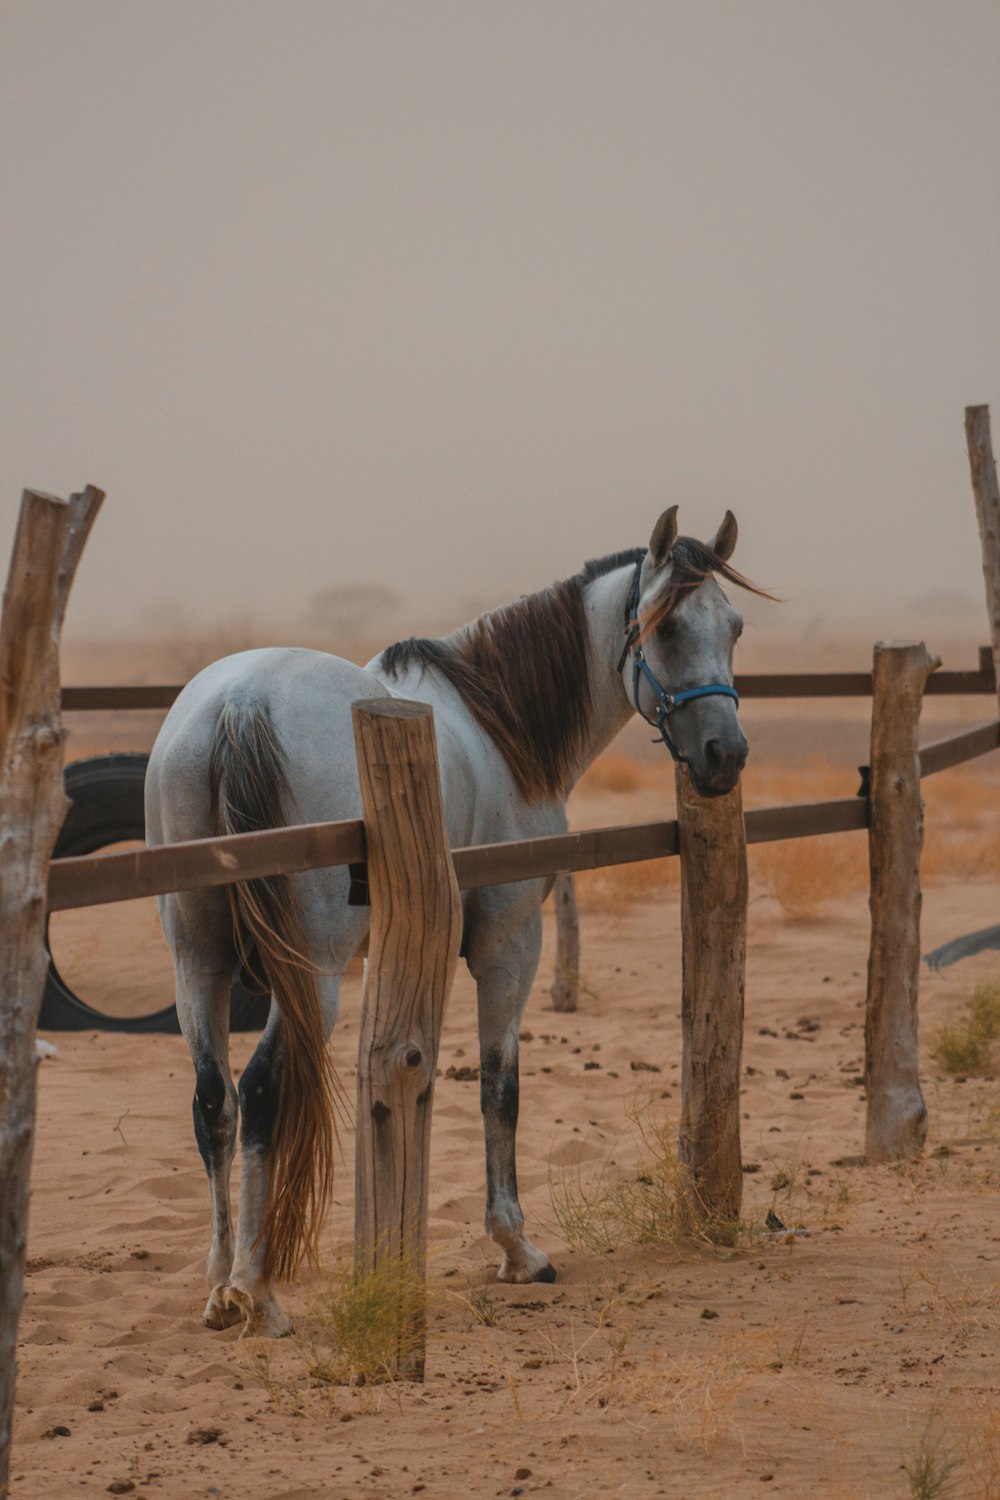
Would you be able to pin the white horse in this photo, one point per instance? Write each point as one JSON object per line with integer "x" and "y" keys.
{"x": 524, "y": 699}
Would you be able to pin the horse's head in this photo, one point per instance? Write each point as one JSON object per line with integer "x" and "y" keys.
{"x": 679, "y": 672}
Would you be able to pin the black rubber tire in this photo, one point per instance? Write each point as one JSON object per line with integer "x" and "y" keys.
{"x": 106, "y": 792}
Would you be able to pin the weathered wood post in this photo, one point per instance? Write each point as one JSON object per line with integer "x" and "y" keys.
{"x": 416, "y": 930}
{"x": 986, "y": 492}
{"x": 566, "y": 985}
{"x": 47, "y": 546}
{"x": 896, "y": 1117}
{"x": 714, "y": 931}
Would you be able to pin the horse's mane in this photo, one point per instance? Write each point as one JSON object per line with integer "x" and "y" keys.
{"x": 524, "y": 672}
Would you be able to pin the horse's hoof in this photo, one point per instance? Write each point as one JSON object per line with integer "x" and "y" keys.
{"x": 540, "y": 1268}
{"x": 262, "y": 1318}
{"x": 218, "y": 1314}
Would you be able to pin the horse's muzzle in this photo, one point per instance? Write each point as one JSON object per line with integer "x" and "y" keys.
{"x": 719, "y": 765}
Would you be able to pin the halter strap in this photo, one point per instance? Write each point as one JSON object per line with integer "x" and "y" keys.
{"x": 666, "y": 702}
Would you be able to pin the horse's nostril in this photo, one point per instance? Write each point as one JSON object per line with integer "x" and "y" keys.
{"x": 714, "y": 754}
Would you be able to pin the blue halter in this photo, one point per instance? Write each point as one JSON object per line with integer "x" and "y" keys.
{"x": 666, "y": 702}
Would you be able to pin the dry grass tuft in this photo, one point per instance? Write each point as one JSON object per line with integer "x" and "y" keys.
{"x": 697, "y": 1394}
{"x": 362, "y": 1322}
{"x": 599, "y": 1208}
{"x": 931, "y": 1471}
{"x": 481, "y": 1304}
{"x": 966, "y": 1046}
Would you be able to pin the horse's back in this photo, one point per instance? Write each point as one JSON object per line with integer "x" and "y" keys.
{"x": 307, "y": 698}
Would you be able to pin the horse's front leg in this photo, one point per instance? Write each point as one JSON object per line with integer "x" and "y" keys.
{"x": 504, "y": 964}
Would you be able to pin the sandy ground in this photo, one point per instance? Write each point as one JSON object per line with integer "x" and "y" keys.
{"x": 813, "y": 1364}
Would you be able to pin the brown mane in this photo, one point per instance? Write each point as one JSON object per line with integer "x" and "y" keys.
{"x": 524, "y": 673}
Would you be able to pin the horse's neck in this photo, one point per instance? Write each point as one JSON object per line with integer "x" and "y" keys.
{"x": 605, "y": 601}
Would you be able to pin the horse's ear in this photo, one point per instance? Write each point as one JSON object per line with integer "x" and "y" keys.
{"x": 664, "y": 536}
{"x": 723, "y": 544}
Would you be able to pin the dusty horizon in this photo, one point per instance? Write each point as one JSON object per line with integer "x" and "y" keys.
{"x": 443, "y": 300}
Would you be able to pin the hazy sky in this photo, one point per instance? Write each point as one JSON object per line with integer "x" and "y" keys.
{"x": 450, "y": 295}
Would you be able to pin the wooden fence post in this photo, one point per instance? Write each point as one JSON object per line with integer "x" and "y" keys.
{"x": 713, "y": 928}
{"x": 416, "y": 930}
{"x": 47, "y": 547}
{"x": 566, "y": 985}
{"x": 896, "y": 1117}
{"x": 986, "y": 491}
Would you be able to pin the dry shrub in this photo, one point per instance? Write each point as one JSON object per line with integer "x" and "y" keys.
{"x": 599, "y": 1208}
{"x": 958, "y": 1451}
{"x": 966, "y": 1045}
{"x": 619, "y": 887}
{"x": 960, "y": 827}
{"x": 967, "y": 856}
{"x": 360, "y": 1322}
{"x": 697, "y": 1394}
{"x": 931, "y": 1469}
{"x": 803, "y": 874}
{"x": 958, "y": 799}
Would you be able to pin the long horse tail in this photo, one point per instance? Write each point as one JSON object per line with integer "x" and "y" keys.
{"x": 250, "y": 791}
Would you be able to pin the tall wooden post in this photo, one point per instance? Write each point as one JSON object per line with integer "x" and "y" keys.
{"x": 47, "y": 547}
{"x": 416, "y": 930}
{"x": 896, "y": 1120}
{"x": 986, "y": 492}
{"x": 566, "y": 985}
{"x": 714, "y": 929}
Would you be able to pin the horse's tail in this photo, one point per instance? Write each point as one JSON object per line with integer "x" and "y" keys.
{"x": 249, "y": 791}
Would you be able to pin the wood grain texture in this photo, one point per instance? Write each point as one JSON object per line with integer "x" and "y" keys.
{"x": 896, "y": 1117}
{"x": 47, "y": 545}
{"x": 713, "y": 930}
{"x": 986, "y": 493}
{"x": 94, "y": 879}
{"x": 416, "y": 928}
{"x": 566, "y": 985}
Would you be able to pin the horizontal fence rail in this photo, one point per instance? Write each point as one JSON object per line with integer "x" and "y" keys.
{"x": 941, "y": 755}
{"x": 96, "y": 879}
{"x": 748, "y": 685}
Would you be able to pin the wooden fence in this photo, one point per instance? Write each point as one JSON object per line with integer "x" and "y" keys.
{"x": 96, "y": 879}
{"x": 417, "y": 921}
{"x": 396, "y": 743}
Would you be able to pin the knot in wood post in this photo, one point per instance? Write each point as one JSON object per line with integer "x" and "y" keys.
{"x": 896, "y": 1115}
{"x": 713, "y": 929}
{"x": 416, "y": 928}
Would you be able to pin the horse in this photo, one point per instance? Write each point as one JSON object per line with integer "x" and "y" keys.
{"x": 524, "y": 699}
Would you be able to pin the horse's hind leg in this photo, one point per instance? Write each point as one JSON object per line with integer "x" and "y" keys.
{"x": 203, "y": 991}
{"x": 504, "y": 966}
{"x": 250, "y": 1295}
